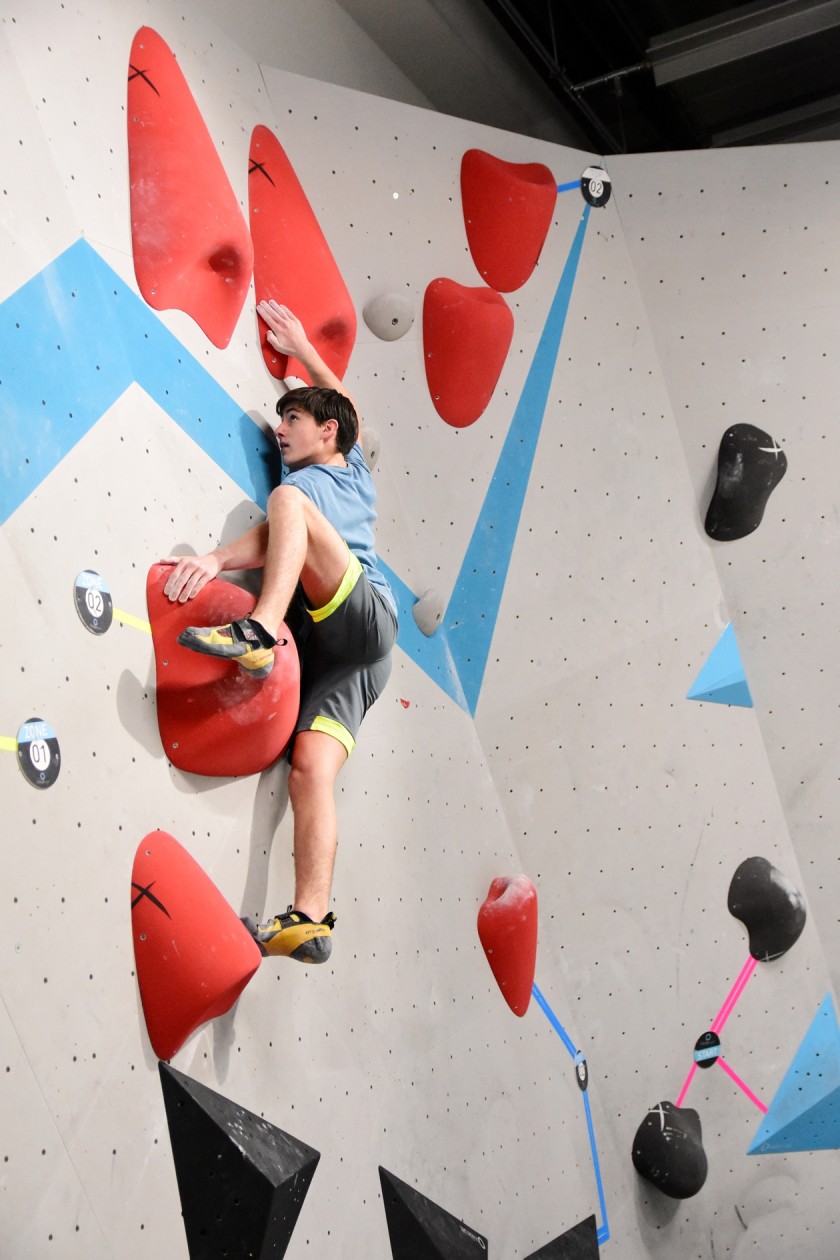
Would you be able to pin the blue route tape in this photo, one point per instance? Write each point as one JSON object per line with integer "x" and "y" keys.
{"x": 603, "y": 1230}
{"x": 575, "y": 183}
{"x": 75, "y": 337}
{"x": 555, "y": 1022}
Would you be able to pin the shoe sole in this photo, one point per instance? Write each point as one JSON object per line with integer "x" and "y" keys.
{"x": 224, "y": 653}
{"x": 315, "y": 950}
{"x": 257, "y": 671}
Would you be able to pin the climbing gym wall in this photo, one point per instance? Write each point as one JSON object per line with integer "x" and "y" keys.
{"x": 535, "y": 761}
{"x": 736, "y": 259}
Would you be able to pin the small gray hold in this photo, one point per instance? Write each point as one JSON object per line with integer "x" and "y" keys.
{"x": 428, "y": 612}
{"x": 389, "y": 316}
{"x": 370, "y": 445}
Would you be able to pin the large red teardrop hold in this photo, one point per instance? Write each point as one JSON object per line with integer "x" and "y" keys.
{"x": 466, "y": 337}
{"x": 191, "y": 245}
{"x": 293, "y": 263}
{"x": 508, "y": 208}
{"x": 193, "y": 955}
{"x": 507, "y": 929}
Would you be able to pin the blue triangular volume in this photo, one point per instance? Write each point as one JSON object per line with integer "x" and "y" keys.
{"x": 722, "y": 680}
{"x": 805, "y": 1113}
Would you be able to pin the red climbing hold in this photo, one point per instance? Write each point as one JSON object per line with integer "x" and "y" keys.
{"x": 213, "y": 718}
{"x": 466, "y": 337}
{"x": 508, "y": 208}
{"x": 193, "y": 955}
{"x": 192, "y": 248}
{"x": 292, "y": 260}
{"x": 507, "y": 929}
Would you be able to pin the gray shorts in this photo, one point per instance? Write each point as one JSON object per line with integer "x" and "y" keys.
{"x": 345, "y": 655}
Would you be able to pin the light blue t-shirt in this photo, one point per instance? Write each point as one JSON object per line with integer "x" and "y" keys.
{"x": 347, "y": 498}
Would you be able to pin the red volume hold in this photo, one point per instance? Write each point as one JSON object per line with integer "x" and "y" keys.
{"x": 192, "y": 248}
{"x": 292, "y": 261}
{"x": 507, "y": 929}
{"x": 507, "y": 213}
{"x": 466, "y": 337}
{"x": 214, "y": 719}
{"x": 194, "y": 956}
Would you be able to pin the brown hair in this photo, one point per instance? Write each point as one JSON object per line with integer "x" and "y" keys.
{"x": 324, "y": 405}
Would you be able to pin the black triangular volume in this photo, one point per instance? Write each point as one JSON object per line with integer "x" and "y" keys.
{"x": 242, "y": 1181}
{"x": 578, "y": 1243}
{"x": 420, "y": 1230}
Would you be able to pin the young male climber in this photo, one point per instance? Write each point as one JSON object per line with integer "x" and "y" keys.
{"x": 320, "y": 575}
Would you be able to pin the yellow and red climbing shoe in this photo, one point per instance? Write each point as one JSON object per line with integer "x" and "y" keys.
{"x": 246, "y": 642}
{"x": 294, "y": 935}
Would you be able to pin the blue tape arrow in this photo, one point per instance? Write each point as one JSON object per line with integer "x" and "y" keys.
{"x": 75, "y": 337}
{"x": 604, "y": 1229}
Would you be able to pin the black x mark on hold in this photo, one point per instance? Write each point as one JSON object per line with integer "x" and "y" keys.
{"x": 141, "y": 74}
{"x": 260, "y": 166}
{"x": 146, "y": 892}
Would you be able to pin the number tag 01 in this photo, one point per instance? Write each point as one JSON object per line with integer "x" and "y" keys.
{"x": 39, "y": 756}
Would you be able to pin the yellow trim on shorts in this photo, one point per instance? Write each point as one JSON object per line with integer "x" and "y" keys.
{"x": 329, "y": 726}
{"x": 351, "y": 576}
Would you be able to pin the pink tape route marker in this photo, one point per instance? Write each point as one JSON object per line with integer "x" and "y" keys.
{"x": 736, "y": 991}
{"x": 734, "y": 1076}
{"x": 721, "y": 1018}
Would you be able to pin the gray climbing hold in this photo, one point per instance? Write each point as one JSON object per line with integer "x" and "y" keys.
{"x": 370, "y": 445}
{"x": 389, "y": 316}
{"x": 428, "y": 612}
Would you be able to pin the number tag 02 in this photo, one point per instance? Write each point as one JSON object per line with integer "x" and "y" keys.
{"x": 93, "y": 602}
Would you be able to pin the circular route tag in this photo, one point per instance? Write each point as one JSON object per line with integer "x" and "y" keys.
{"x": 707, "y": 1050}
{"x": 596, "y": 186}
{"x": 38, "y": 753}
{"x": 93, "y": 602}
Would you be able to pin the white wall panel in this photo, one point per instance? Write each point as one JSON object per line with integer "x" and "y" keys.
{"x": 585, "y": 767}
{"x": 756, "y": 347}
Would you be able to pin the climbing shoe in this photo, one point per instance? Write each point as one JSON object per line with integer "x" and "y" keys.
{"x": 246, "y": 642}
{"x": 294, "y": 935}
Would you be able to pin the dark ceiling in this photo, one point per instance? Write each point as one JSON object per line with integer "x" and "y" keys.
{"x": 683, "y": 74}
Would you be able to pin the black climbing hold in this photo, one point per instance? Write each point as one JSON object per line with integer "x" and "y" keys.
{"x": 578, "y": 1243}
{"x": 420, "y": 1230}
{"x": 668, "y": 1150}
{"x": 771, "y": 908}
{"x": 93, "y": 601}
{"x": 750, "y": 466}
{"x": 39, "y": 756}
{"x": 596, "y": 186}
{"x": 707, "y": 1050}
{"x": 581, "y": 1072}
{"x": 242, "y": 1181}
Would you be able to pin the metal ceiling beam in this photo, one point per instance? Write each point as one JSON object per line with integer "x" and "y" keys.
{"x": 557, "y": 75}
{"x": 738, "y": 33}
{"x": 803, "y": 122}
